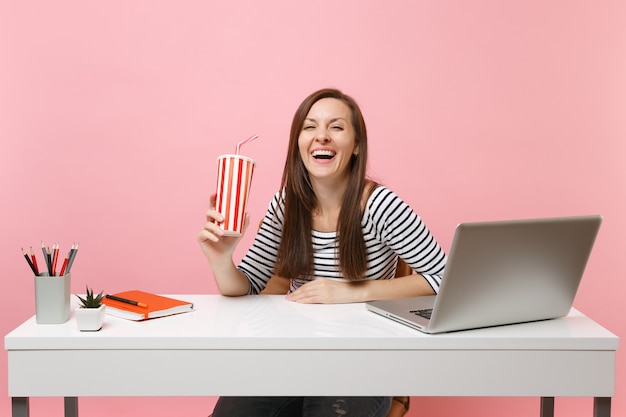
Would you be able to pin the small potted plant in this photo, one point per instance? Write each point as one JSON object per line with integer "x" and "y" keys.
{"x": 90, "y": 314}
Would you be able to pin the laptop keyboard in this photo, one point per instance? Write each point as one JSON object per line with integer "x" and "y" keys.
{"x": 426, "y": 313}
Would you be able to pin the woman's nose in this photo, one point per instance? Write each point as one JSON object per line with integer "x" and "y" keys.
{"x": 322, "y": 135}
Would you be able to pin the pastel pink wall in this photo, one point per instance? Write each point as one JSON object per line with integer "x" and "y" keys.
{"x": 112, "y": 114}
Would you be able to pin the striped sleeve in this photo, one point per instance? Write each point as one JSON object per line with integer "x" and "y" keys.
{"x": 403, "y": 231}
{"x": 258, "y": 265}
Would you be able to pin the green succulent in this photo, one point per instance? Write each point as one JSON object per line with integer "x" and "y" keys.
{"x": 90, "y": 301}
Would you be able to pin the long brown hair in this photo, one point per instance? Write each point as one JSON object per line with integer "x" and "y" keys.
{"x": 295, "y": 253}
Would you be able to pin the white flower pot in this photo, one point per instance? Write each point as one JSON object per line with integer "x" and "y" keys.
{"x": 89, "y": 319}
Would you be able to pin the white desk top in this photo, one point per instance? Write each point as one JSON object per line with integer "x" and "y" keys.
{"x": 271, "y": 322}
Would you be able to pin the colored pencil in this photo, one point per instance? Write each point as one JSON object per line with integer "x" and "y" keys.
{"x": 72, "y": 256}
{"x": 49, "y": 257}
{"x": 67, "y": 258}
{"x": 55, "y": 257}
{"x": 126, "y": 300}
{"x": 30, "y": 263}
{"x": 34, "y": 259}
{"x": 45, "y": 256}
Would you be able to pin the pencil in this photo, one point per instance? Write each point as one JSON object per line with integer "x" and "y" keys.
{"x": 55, "y": 256}
{"x": 73, "y": 251}
{"x": 126, "y": 300}
{"x": 30, "y": 263}
{"x": 45, "y": 256}
{"x": 67, "y": 257}
{"x": 49, "y": 257}
{"x": 32, "y": 256}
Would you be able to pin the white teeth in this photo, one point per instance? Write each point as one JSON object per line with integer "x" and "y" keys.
{"x": 322, "y": 153}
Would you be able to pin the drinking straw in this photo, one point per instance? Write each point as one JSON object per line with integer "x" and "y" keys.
{"x": 243, "y": 142}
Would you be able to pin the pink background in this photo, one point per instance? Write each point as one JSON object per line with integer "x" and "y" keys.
{"x": 112, "y": 114}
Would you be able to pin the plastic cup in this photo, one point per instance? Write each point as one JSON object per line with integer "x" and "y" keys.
{"x": 234, "y": 178}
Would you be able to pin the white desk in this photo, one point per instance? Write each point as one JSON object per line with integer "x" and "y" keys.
{"x": 234, "y": 346}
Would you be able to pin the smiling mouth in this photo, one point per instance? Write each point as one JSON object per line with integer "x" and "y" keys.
{"x": 323, "y": 154}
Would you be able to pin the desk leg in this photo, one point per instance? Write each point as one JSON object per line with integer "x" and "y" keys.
{"x": 602, "y": 407}
{"x": 71, "y": 406}
{"x": 20, "y": 407}
{"x": 547, "y": 407}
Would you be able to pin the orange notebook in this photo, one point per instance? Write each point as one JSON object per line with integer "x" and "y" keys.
{"x": 156, "y": 305}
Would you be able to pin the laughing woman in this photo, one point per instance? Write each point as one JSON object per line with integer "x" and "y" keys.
{"x": 335, "y": 234}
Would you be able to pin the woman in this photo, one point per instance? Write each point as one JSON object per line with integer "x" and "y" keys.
{"x": 334, "y": 233}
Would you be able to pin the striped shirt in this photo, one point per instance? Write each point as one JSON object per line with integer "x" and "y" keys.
{"x": 391, "y": 229}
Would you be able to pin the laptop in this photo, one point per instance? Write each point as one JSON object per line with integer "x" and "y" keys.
{"x": 502, "y": 272}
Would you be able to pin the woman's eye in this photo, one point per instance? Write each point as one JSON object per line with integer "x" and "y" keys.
{"x": 308, "y": 127}
{"x": 337, "y": 127}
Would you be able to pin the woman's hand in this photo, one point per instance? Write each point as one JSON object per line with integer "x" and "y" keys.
{"x": 328, "y": 291}
{"x": 219, "y": 249}
{"x": 216, "y": 247}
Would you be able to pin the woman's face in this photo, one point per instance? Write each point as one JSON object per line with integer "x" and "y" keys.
{"x": 326, "y": 141}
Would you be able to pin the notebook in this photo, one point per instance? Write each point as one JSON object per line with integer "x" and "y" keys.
{"x": 501, "y": 273}
{"x": 150, "y": 306}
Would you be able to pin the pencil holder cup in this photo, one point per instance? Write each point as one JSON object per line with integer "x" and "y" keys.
{"x": 52, "y": 299}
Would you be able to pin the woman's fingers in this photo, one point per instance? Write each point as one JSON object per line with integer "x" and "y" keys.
{"x": 213, "y": 216}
